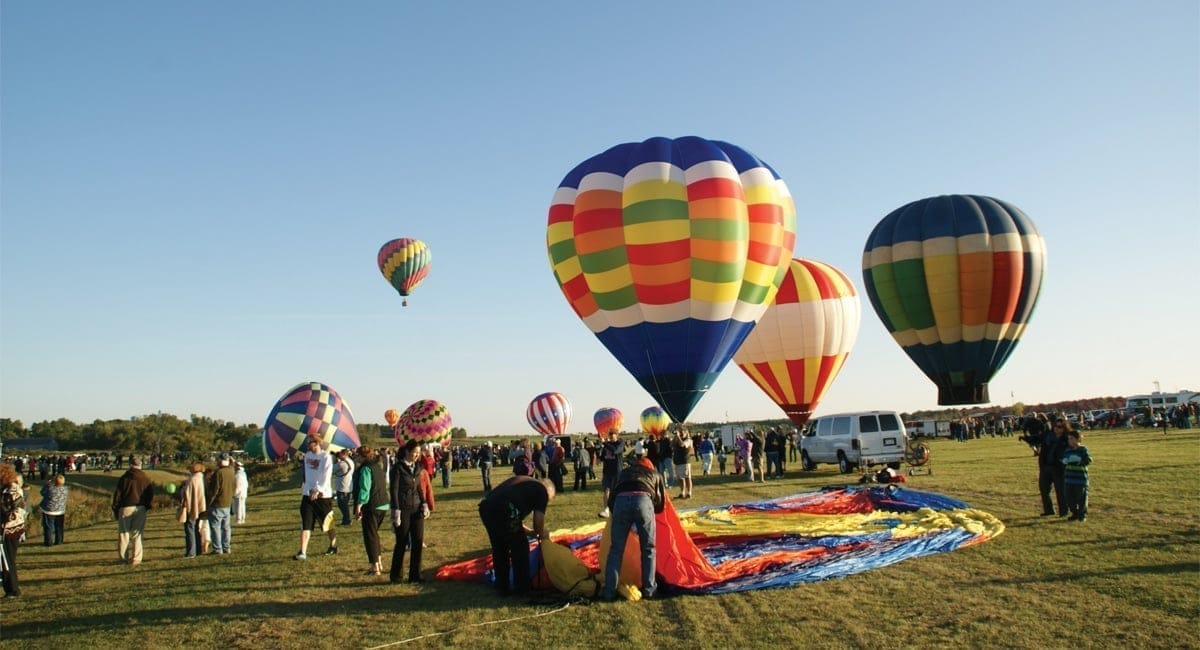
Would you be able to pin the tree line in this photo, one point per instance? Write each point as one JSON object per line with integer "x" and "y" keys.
{"x": 160, "y": 433}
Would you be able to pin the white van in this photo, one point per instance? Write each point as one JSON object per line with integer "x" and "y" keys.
{"x": 928, "y": 429}
{"x": 854, "y": 439}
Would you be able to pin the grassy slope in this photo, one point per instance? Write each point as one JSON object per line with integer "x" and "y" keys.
{"x": 1128, "y": 576}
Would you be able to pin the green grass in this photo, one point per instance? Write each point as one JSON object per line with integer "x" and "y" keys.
{"x": 1128, "y": 577}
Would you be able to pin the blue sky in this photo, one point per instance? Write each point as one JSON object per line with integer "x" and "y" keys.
{"x": 193, "y": 194}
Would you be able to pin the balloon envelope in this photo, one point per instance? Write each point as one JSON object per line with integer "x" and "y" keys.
{"x": 670, "y": 251}
{"x": 426, "y": 421}
{"x": 797, "y": 349}
{"x": 655, "y": 420}
{"x": 309, "y": 409}
{"x": 392, "y": 416}
{"x": 955, "y": 279}
{"x": 549, "y": 414}
{"x": 405, "y": 263}
{"x": 608, "y": 419}
{"x": 254, "y": 447}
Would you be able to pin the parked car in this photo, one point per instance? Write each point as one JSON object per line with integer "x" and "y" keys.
{"x": 853, "y": 440}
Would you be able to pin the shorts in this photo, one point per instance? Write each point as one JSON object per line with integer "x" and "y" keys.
{"x": 609, "y": 481}
{"x": 684, "y": 470}
{"x": 313, "y": 512}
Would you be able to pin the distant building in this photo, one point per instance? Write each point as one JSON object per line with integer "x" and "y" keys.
{"x": 30, "y": 444}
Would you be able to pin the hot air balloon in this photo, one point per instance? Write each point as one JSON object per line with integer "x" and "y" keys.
{"x": 426, "y": 421}
{"x": 254, "y": 447}
{"x": 392, "y": 416}
{"x": 549, "y": 414}
{"x": 670, "y": 251}
{"x": 798, "y": 347}
{"x": 608, "y": 419}
{"x": 655, "y": 421}
{"x": 309, "y": 409}
{"x": 405, "y": 263}
{"x": 955, "y": 279}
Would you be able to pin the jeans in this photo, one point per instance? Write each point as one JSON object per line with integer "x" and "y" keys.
{"x": 191, "y": 538}
{"x": 485, "y": 470}
{"x": 1077, "y": 499}
{"x": 667, "y": 469}
{"x": 218, "y": 521}
{"x": 774, "y": 468}
{"x": 1050, "y": 477}
{"x": 343, "y": 503}
{"x": 631, "y": 510}
{"x": 52, "y": 529}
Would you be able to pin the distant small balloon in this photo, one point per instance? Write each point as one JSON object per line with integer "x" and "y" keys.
{"x": 171, "y": 488}
{"x": 392, "y": 416}
{"x": 655, "y": 421}
{"x": 608, "y": 419}
{"x": 404, "y": 263}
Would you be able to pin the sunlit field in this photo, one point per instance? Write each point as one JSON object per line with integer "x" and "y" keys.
{"x": 1127, "y": 577}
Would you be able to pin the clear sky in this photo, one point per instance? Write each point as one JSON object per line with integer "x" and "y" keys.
{"x": 193, "y": 194}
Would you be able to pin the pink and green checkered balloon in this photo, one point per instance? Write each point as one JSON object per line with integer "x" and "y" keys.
{"x": 426, "y": 421}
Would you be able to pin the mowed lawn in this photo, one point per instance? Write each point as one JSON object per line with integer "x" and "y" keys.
{"x": 1127, "y": 577}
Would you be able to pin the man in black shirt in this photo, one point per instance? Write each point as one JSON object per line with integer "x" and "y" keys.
{"x": 503, "y": 512}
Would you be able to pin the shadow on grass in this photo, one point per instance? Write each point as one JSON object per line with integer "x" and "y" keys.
{"x": 1144, "y": 569}
{"x": 406, "y": 597}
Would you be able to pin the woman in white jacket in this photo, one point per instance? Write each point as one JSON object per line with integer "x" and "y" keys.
{"x": 240, "y": 490}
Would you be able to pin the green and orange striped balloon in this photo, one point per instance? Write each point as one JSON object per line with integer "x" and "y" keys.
{"x": 670, "y": 251}
{"x": 955, "y": 279}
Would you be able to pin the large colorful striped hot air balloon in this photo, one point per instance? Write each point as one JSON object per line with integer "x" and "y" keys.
{"x": 608, "y": 419}
{"x": 670, "y": 251}
{"x": 549, "y": 414}
{"x": 798, "y": 347}
{"x": 405, "y": 263}
{"x": 426, "y": 421}
{"x": 655, "y": 421}
{"x": 955, "y": 279}
{"x": 309, "y": 409}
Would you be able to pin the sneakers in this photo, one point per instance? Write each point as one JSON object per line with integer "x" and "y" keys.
{"x": 300, "y": 556}
{"x": 332, "y": 550}
{"x": 603, "y": 514}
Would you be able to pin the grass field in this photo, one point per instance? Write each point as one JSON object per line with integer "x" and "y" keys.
{"x": 1127, "y": 577}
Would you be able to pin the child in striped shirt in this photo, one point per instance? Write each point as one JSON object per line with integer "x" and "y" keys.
{"x": 1075, "y": 476}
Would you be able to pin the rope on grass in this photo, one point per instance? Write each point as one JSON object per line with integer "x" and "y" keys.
{"x": 463, "y": 627}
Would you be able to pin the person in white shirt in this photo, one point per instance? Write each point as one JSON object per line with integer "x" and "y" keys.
{"x": 316, "y": 504}
{"x": 240, "y": 490}
{"x": 343, "y": 483}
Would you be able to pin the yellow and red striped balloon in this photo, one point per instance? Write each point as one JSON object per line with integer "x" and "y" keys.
{"x": 799, "y": 346}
